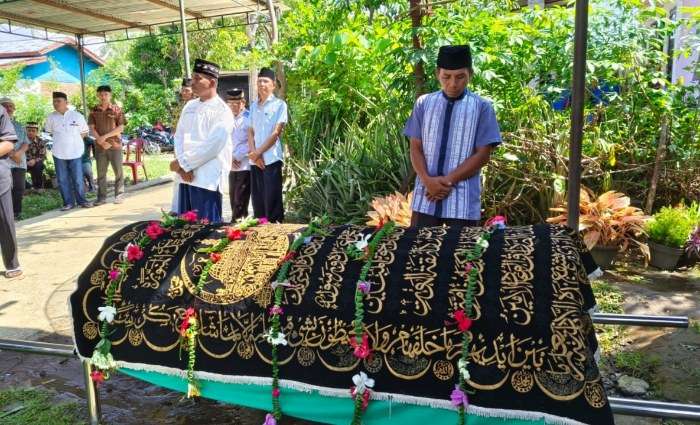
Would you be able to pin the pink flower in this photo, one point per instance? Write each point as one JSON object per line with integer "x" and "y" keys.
{"x": 98, "y": 377}
{"x": 114, "y": 274}
{"x": 215, "y": 257}
{"x": 189, "y": 216}
{"x": 204, "y": 221}
{"x": 463, "y": 322}
{"x": 270, "y": 420}
{"x": 361, "y": 351}
{"x": 498, "y": 221}
{"x": 234, "y": 234}
{"x": 468, "y": 267}
{"x": 133, "y": 252}
{"x": 186, "y": 321}
{"x": 364, "y": 286}
{"x": 276, "y": 310}
{"x": 459, "y": 398}
{"x": 263, "y": 220}
{"x": 365, "y": 397}
{"x": 275, "y": 392}
{"x": 154, "y": 230}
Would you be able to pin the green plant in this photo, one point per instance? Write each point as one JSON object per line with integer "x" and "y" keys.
{"x": 36, "y": 406}
{"x": 638, "y": 364}
{"x": 607, "y": 220}
{"x": 672, "y": 226}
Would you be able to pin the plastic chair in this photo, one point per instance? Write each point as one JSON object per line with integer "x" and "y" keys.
{"x": 137, "y": 145}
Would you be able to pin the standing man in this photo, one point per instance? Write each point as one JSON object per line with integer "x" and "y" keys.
{"x": 268, "y": 116}
{"x": 68, "y": 127}
{"x": 452, "y": 133}
{"x": 186, "y": 94}
{"x": 107, "y": 124}
{"x": 18, "y": 159}
{"x": 203, "y": 146}
{"x": 8, "y": 240}
{"x": 36, "y": 155}
{"x": 239, "y": 176}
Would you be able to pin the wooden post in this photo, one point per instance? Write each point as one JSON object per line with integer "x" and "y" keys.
{"x": 660, "y": 156}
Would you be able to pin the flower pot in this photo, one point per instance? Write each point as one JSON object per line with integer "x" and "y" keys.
{"x": 604, "y": 255}
{"x": 664, "y": 257}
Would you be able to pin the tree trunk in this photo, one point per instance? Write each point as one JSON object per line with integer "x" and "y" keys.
{"x": 416, "y": 22}
{"x": 660, "y": 156}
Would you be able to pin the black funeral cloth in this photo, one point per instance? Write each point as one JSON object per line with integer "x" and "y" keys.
{"x": 532, "y": 343}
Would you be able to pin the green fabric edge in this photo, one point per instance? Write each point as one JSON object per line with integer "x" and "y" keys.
{"x": 319, "y": 408}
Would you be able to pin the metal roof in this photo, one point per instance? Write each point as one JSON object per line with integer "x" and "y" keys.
{"x": 85, "y": 17}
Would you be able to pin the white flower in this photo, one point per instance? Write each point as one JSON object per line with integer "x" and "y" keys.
{"x": 462, "y": 366}
{"x": 279, "y": 340}
{"x": 103, "y": 361}
{"x": 362, "y": 243}
{"x": 107, "y": 313}
{"x": 275, "y": 284}
{"x": 362, "y": 382}
{"x": 483, "y": 243}
{"x": 307, "y": 240}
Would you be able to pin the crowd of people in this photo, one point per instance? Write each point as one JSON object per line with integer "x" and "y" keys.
{"x": 220, "y": 143}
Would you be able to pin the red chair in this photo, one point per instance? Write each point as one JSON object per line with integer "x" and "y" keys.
{"x": 138, "y": 161}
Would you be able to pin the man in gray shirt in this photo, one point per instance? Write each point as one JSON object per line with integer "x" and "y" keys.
{"x": 8, "y": 241}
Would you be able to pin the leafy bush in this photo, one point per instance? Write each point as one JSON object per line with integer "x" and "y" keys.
{"x": 672, "y": 225}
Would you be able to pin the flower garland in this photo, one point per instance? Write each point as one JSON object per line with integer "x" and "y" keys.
{"x": 463, "y": 318}
{"x": 102, "y": 358}
{"x": 274, "y": 335}
{"x": 364, "y": 249}
{"x": 189, "y": 327}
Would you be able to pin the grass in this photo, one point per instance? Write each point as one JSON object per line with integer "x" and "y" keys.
{"x": 638, "y": 364}
{"x": 610, "y": 300}
{"x": 34, "y": 406}
{"x": 35, "y": 203}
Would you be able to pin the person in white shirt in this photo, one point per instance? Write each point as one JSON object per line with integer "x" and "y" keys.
{"x": 268, "y": 116}
{"x": 239, "y": 177}
{"x": 68, "y": 128}
{"x": 203, "y": 146}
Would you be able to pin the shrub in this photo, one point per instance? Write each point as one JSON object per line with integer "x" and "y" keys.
{"x": 672, "y": 226}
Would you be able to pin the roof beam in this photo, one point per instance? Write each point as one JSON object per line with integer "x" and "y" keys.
{"x": 171, "y": 6}
{"x": 87, "y": 12}
{"x": 43, "y": 24}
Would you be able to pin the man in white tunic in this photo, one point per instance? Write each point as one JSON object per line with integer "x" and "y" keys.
{"x": 203, "y": 148}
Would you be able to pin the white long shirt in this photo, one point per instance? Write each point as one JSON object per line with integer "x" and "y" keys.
{"x": 66, "y": 132}
{"x": 203, "y": 142}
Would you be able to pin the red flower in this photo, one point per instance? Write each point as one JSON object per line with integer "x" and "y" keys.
{"x": 186, "y": 321}
{"x": 98, "y": 377}
{"x": 275, "y": 392}
{"x": 288, "y": 257}
{"x": 263, "y": 220}
{"x": 365, "y": 397}
{"x": 463, "y": 322}
{"x": 361, "y": 351}
{"x": 234, "y": 234}
{"x": 134, "y": 253}
{"x": 154, "y": 230}
{"x": 189, "y": 216}
{"x": 215, "y": 257}
{"x": 204, "y": 221}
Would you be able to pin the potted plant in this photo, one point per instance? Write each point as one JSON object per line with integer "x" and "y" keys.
{"x": 669, "y": 230}
{"x": 608, "y": 223}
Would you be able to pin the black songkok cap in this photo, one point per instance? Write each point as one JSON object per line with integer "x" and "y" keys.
{"x": 454, "y": 57}
{"x": 104, "y": 88}
{"x": 267, "y": 73}
{"x": 234, "y": 94}
{"x": 207, "y": 68}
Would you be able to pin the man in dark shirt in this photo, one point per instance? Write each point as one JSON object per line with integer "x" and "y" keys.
{"x": 36, "y": 155}
{"x": 8, "y": 240}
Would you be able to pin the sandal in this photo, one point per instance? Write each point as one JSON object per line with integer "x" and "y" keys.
{"x": 13, "y": 274}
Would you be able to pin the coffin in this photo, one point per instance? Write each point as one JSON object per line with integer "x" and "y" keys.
{"x": 532, "y": 350}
